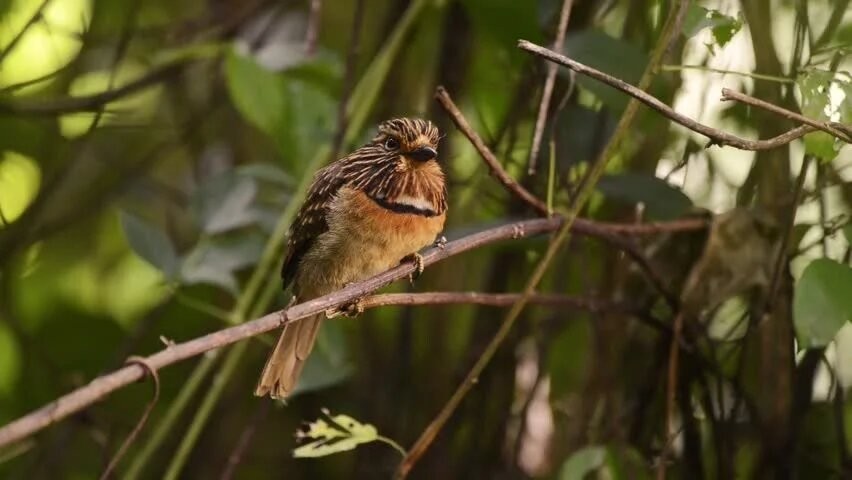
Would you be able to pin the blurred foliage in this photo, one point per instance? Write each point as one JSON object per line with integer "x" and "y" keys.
{"x": 158, "y": 215}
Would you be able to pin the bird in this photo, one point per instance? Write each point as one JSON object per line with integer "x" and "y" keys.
{"x": 363, "y": 214}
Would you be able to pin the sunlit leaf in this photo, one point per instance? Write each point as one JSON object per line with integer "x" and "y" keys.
{"x": 662, "y": 201}
{"x": 151, "y": 243}
{"x": 814, "y": 86}
{"x": 339, "y": 433}
{"x": 822, "y": 302}
{"x": 583, "y": 462}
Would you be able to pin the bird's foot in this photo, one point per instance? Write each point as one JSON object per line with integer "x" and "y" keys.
{"x": 417, "y": 259}
{"x": 441, "y": 242}
{"x": 352, "y": 309}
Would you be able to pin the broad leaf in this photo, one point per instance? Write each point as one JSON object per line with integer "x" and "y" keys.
{"x": 216, "y": 261}
{"x": 662, "y": 200}
{"x": 583, "y": 462}
{"x": 256, "y": 92}
{"x": 328, "y": 364}
{"x": 614, "y": 56}
{"x": 224, "y": 202}
{"x": 150, "y": 243}
{"x": 822, "y": 302}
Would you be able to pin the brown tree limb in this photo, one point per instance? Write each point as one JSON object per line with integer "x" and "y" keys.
{"x": 547, "y": 91}
{"x": 590, "y": 304}
{"x": 93, "y": 102}
{"x": 101, "y": 387}
{"x": 583, "y": 226}
{"x": 835, "y": 129}
{"x": 717, "y": 137}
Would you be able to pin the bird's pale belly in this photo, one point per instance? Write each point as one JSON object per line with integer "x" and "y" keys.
{"x": 363, "y": 239}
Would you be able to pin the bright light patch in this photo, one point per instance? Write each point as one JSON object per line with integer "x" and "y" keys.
{"x": 20, "y": 178}
{"x": 48, "y": 44}
{"x": 136, "y": 106}
{"x": 836, "y": 96}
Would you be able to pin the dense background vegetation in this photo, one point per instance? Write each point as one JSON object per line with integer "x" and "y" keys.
{"x": 155, "y": 214}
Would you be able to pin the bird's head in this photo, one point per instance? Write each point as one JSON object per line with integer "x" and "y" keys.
{"x": 411, "y": 141}
{"x": 399, "y": 166}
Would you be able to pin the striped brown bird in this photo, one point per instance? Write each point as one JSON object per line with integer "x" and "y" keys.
{"x": 364, "y": 214}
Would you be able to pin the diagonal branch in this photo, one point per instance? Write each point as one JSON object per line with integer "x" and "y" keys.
{"x": 835, "y": 129}
{"x": 547, "y": 91}
{"x": 104, "y": 385}
{"x": 93, "y": 102}
{"x": 717, "y": 137}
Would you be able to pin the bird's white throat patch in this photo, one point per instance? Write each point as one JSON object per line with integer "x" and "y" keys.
{"x": 419, "y": 203}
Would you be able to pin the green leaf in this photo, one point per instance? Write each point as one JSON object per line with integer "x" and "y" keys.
{"x": 339, "y": 434}
{"x": 505, "y": 20}
{"x": 215, "y": 261}
{"x": 822, "y": 302}
{"x": 614, "y": 56}
{"x": 224, "y": 202}
{"x": 583, "y": 462}
{"x": 257, "y": 92}
{"x": 150, "y": 243}
{"x": 847, "y": 232}
{"x": 10, "y": 361}
{"x": 814, "y": 88}
{"x": 724, "y": 27}
{"x": 328, "y": 364}
{"x": 662, "y": 200}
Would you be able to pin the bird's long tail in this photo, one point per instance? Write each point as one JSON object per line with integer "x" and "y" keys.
{"x": 285, "y": 363}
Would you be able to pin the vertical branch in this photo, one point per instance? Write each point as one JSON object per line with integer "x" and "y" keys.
{"x": 587, "y": 186}
{"x": 314, "y": 19}
{"x": 549, "y": 82}
{"x": 348, "y": 78}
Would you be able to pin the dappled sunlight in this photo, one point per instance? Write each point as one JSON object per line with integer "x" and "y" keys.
{"x": 52, "y": 41}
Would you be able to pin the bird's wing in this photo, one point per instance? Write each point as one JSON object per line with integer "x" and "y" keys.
{"x": 311, "y": 222}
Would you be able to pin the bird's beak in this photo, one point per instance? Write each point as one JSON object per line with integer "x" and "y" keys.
{"x": 422, "y": 154}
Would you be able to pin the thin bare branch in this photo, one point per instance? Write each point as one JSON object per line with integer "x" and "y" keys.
{"x": 717, "y": 137}
{"x": 590, "y": 304}
{"x": 832, "y": 128}
{"x": 547, "y": 91}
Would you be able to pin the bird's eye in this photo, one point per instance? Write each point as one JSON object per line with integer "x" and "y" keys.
{"x": 391, "y": 143}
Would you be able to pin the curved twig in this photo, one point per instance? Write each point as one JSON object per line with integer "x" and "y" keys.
{"x": 152, "y": 372}
{"x": 717, "y": 137}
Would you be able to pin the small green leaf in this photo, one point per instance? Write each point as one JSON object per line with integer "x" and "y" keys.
{"x": 256, "y": 92}
{"x": 339, "y": 434}
{"x": 724, "y": 27}
{"x": 822, "y": 302}
{"x": 583, "y": 462}
{"x": 150, "y": 243}
{"x": 847, "y": 232}
{"x": 662, "y": 200}
{"x": 814, "y": 87}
